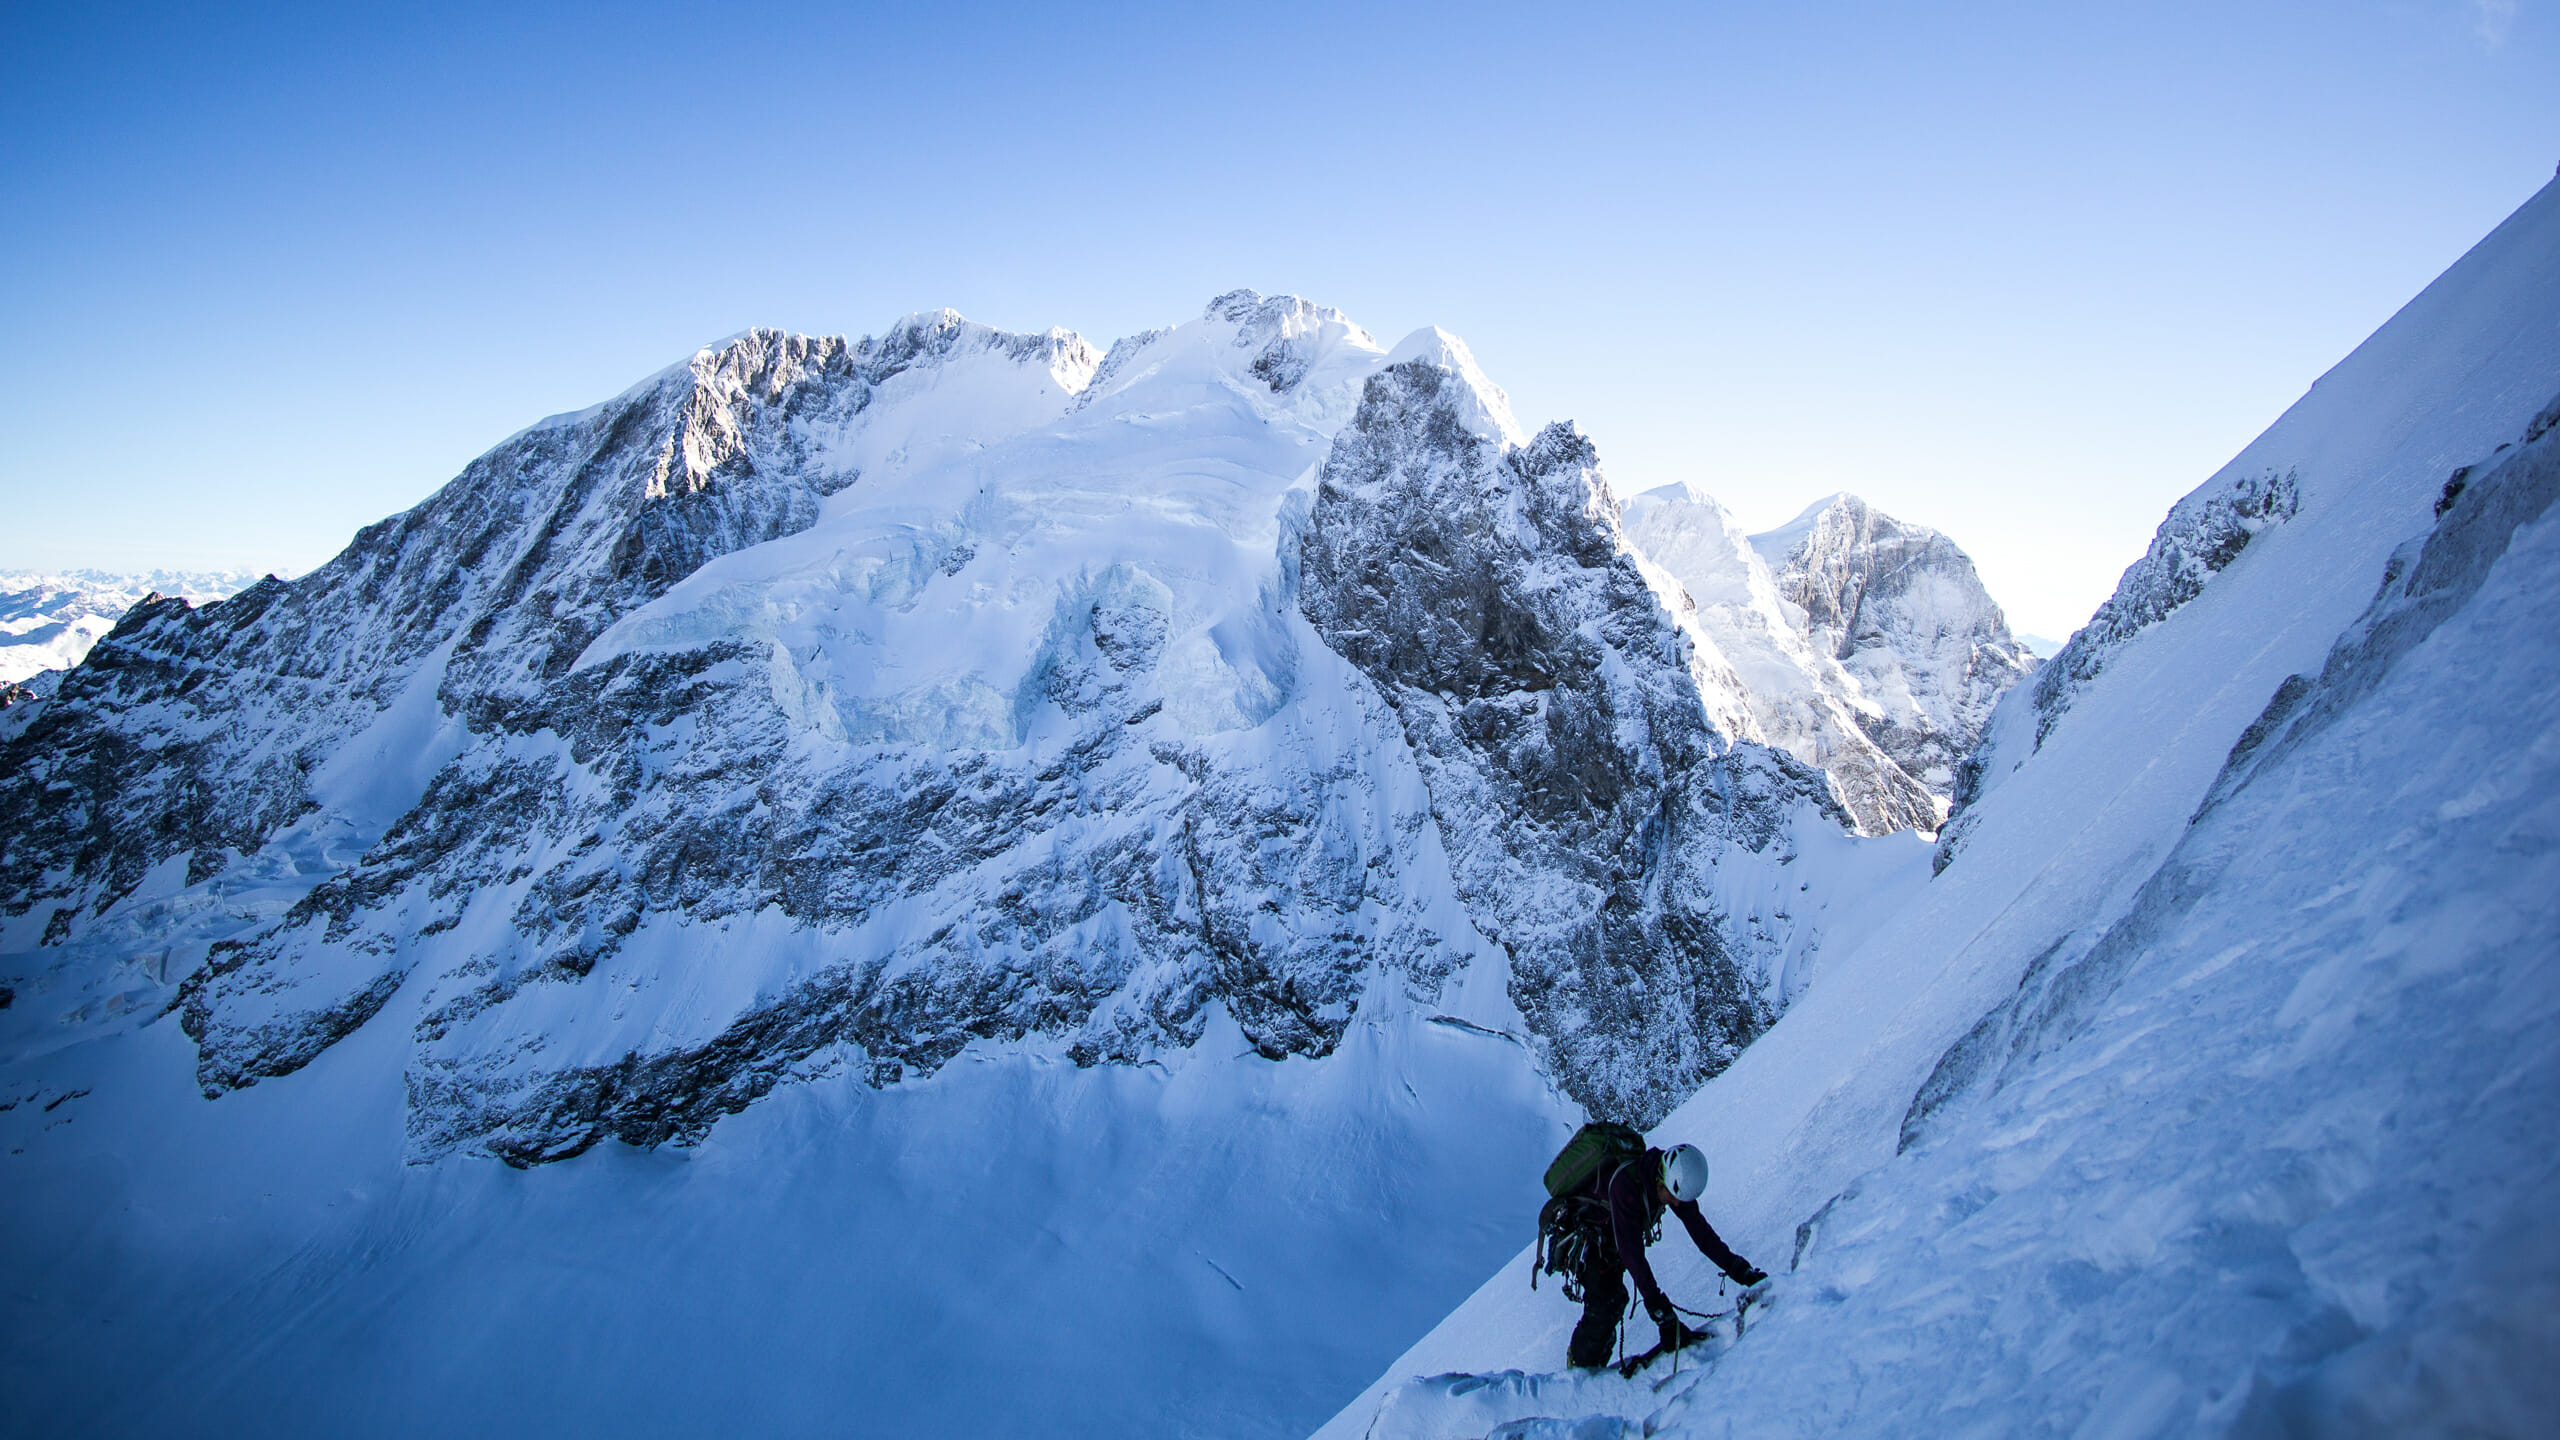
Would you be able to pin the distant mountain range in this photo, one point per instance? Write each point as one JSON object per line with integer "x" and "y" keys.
{"x": 49, "y": 619}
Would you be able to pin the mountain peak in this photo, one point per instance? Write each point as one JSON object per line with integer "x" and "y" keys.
{"x": 1900, "y": 607}
{"x": 1265, "y": 314}
{"x": 1682, "y": 492}
{"x": 1777, "y": 544}
{"x": 934, "y": 336}
{"x": 1797, "y": 693}
{"x": 764, "y": 359}
{"x": 1490, "y": 415}
{"x": 1290, "y": 338}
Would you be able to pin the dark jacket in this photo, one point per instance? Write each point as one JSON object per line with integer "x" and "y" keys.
{"x": 1628, "y": 1191}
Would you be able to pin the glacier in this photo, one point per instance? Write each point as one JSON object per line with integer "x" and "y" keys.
{"x": 2206, "y": 1089}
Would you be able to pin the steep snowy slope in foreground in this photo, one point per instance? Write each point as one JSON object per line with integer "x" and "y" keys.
{"x": 2203, "y": 1092}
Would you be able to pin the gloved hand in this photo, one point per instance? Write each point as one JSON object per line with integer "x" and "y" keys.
{"x": 1678, "y": 1336}
{"x": 1659, "y": 1307}
{"x": 1751, "y": 1275}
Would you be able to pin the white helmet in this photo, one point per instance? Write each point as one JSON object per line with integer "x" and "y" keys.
{"x": 1684, "y": 1170}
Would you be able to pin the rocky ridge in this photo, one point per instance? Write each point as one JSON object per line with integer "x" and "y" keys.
{"x": 2200, "y": 537}
{"x": 1486, "y": 588}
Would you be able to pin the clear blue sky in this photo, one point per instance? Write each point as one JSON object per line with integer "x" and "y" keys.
{"x": 2025, "y": 272}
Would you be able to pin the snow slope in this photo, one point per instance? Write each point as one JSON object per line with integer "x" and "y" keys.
{"x": 1015, "y": 1243}
{"x": 2207, "y": 1089}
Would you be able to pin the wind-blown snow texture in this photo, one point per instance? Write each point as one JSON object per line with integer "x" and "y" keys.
{"x": 2207, "y": 1088}
{"x": 890, "y": 764}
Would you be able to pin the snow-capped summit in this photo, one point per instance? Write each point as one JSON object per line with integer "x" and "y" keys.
{"x": 1788, "y": 685}
{"x": 1775, "y": 545}
{"x": 1296, "y": 360}
{"x": 1478, "y": 404}
{"x": 930, "y": 386}
{"x": 1900, "y": 608}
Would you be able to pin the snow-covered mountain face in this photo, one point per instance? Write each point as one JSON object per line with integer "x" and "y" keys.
{"x": 1244, "y": 720}
{"x": 1769, "y": 676}
{"x": 1023, "y": 738}
{"x": 1900, "y": 608}
{"x": 49, "y": 620}
{"x": 1859, "y": 644}
{"x": 2206, "y": 1089}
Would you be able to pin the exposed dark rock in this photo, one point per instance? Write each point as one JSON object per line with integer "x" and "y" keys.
{"x": 1584, "y": 798}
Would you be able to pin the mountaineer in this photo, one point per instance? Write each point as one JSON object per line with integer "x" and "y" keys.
{"x": 1607, "y": 1192}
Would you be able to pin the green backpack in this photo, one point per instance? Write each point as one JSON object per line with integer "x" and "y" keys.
{"x": 1574, "y": 1228}
{"x": 1602, "y": 1142}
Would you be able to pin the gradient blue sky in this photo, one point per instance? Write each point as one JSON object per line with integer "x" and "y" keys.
{"x": 2023, "y": 272}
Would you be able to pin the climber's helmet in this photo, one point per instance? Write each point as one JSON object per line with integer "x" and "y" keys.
{"x": 1684, "y": 1172}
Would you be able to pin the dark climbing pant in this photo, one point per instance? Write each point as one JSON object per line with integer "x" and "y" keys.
{"x": 1604, "y": 1304}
